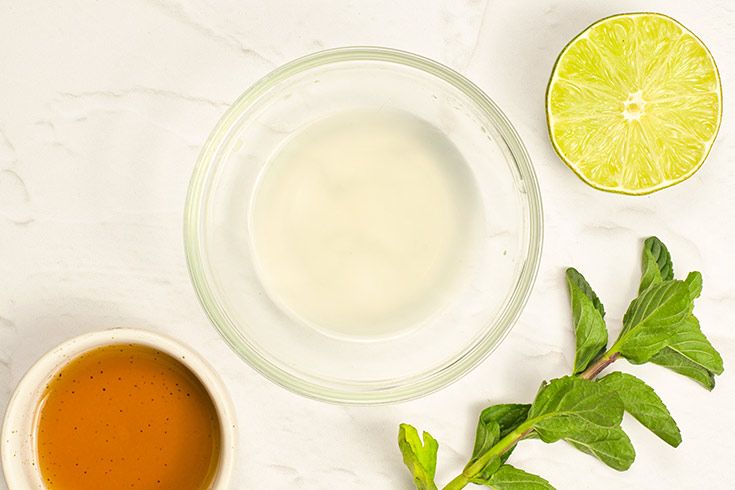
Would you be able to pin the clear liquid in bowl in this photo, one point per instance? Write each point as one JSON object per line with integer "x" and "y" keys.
{"x": 361, "y": 222}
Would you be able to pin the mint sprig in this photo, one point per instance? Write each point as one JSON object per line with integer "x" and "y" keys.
{"x": 658, "y": 327}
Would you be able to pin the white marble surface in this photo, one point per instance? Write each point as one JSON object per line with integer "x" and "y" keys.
{"x": 104, "y": 106}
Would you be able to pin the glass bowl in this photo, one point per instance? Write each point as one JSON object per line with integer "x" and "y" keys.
{"x": 488, "y": 202}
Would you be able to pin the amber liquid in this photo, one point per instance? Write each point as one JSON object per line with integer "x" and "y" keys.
{"x": 125, "y": 416}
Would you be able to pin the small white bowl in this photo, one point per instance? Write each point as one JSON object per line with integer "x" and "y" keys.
{"x": 18, "y": 451}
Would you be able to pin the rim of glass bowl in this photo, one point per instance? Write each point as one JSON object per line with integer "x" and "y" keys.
{"x": 365, "y": 393}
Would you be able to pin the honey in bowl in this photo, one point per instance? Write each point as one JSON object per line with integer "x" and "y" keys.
{"x": 126, "y": 416}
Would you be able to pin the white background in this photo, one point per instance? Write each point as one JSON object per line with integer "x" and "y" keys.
{"x": 103, "y": 109}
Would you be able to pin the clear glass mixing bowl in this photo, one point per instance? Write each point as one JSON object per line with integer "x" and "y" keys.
{"x": 438, "y": 348}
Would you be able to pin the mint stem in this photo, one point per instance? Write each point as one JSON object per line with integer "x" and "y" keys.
{"x": 458, "y": 483}
{"x": 597, "y": 366}
{"x": 502, "y": 447}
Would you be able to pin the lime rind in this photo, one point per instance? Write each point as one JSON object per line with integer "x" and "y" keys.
{"x": 629, "y": 113}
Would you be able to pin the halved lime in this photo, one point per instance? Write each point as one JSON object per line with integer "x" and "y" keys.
{"x": 634, "y": 103}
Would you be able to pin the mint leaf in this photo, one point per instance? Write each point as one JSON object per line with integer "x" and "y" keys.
{"x": 608, "y": 444}
{"x": 657, "y": 305}
{"x": 648, "y": 323}
{"x": 495, "y": 423}
{"x": 487, "y": 435}
{"x": 571, "y": 404}
{"x": 508, "y": 477}
{"x": 694, "y": 282}
{"x": 508, "y": 416}
{"x": 575, "y": 277}
{"x": 679, "y": 363}
{"x": 690, "y": 354}
{"x": 419, "y": 458}
{"x": 585, "y": 414}
{"x": 643, "y": 403}
{"x": 589, "y": 324}
{"x": 656, "y": 265}
{"x": 688, "y": 340}
{"x": 488, "y": 470}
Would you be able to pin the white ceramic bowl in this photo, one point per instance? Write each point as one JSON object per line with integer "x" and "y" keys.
{"x": 18, "y": 450}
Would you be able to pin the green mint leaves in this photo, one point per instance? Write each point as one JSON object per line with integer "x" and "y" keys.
{"x": 652, "y": 318}
{"x": 643, "y": 403}
{"x": 688, "y": 352}
{"x": 671, "y": 335}
{"x": 585, "y": 414}
{"x": 510, "y": 478}
{"x": 585, "y": 411}
{"x": 589, "y": 324}
{"x": 657, "y": 265}
{"x": 681, "y": 364}
{"x": 420, "y": 458}
{"x": 495, "y": 423}
{"x": 694, "y": 283}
